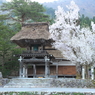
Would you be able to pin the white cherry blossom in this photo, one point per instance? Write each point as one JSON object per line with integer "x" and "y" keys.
{"x": 76, "y": 44}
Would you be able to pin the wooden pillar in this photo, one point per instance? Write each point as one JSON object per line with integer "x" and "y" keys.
{"x": 83, "y": 72}
{"x": 34, "y": 71}
{"x": 46, "y": 67}
{"x": 46, "y": 70}
{"x": 92, "y": 72}
{"x": 26, "y": 72}
{"x": 23, "y": 73}
{"x": 56, "y": 70}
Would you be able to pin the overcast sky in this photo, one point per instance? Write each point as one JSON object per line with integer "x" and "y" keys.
{"x": 40, "y": 1}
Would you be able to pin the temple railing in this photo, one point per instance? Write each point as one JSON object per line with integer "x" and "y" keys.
{"x": 35, "y": 52}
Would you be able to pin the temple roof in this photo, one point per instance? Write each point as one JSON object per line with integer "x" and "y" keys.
{"x": 33, "y": 31}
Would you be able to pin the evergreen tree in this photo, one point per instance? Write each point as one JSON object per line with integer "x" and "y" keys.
{"x": 24, "y": 10}
{"x": 51, "y": 12}
{"x": 8, "y": 63}
{"x": 93, "y": 19}
{"x": 85, "y": 21}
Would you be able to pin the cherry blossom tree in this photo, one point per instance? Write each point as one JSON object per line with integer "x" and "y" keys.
{"x": 76, "y": 44}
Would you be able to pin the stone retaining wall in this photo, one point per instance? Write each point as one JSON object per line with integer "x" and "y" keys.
{"x": 3, "y": 81}
{"x": 72, "y": 83}
{"x": 50, "y": 82}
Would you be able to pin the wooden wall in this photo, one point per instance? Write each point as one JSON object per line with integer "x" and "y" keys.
{"x": 67, "y": 70}
{"x": 62, "y": 70}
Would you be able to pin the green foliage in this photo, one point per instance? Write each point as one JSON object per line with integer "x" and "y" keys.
{"x": 93, "y": 81}
{"x": 24, "y": 10}
{"x": 4, "y": 40}
{"x": 11, "y": 65}
{"x": 3, "y": 17}
{"x": 93, "y": 19}
{"x": 86, "y": 21}
{"x": 42, "y": 93}
{"x": 51, "y": 13}
{"x": 15, "y": 27}
{"x": 8, "y": 63}
{"x": 78, "y": 94}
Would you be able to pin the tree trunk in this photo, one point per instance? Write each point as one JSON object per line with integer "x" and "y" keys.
{"x": 78, "y": 70}
{"x": 87, "y": 71}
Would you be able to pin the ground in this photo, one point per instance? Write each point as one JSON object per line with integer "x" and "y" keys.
{"x": 81, "y": 90}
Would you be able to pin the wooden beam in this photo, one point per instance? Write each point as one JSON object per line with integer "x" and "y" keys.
{"x": 33, "y": 60}
{"x": 50, "y": 49}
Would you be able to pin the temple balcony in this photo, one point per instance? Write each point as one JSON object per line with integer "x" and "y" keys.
{"x": 40, "y": 53}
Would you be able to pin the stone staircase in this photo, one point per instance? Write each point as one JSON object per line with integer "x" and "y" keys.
{"x": 48, "y": 83}
{"x": 28, "y": 82}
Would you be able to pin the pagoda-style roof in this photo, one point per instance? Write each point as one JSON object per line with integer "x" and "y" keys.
{"x": 33, "y": 33}
{"x": 56, "y": 53}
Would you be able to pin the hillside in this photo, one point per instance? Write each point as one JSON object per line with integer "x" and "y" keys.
{"x": 87, "y": 7}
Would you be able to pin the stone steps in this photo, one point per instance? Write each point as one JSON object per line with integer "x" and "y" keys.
{"x": 28, "y": 82}
{"x": 48, "y": 83}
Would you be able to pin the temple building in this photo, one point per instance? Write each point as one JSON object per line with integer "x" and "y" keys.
{"x": 40, "y": 60}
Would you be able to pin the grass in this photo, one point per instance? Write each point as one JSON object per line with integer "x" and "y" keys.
{"x": 43, "y": 93}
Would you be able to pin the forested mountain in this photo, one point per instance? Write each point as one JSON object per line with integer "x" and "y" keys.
{"x": 87, "y": 7}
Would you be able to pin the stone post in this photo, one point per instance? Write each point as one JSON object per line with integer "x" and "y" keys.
{"x": 0, "y": 75}
{"x": 0, "y": 79}
{"x": 83, "y": 72}
{"x": 92, "y": 72}
{"x": 24, "y": 73}
{"x": 21, "y": 67}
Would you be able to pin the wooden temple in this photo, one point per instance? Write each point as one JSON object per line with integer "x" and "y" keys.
{"x": 40, "y": 59}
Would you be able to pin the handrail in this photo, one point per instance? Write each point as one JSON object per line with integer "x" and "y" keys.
{"x": 30, "y": 51}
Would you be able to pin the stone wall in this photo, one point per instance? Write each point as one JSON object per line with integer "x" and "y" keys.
{"x": 72, "y": 83}
{"x": 0, "y": 79}
{"x": 49, "y": 82}
{"x": 3, "y": 81}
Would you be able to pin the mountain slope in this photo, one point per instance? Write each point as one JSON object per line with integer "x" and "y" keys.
{"x": 87, "y": 7}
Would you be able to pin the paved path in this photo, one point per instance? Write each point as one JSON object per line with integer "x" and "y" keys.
{"x": 48, "y": 90}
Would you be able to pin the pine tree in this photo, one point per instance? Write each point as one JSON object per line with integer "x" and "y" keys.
{"x": 24, "y": 10}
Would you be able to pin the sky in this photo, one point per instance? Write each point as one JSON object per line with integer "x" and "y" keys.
{"x": 40, "y": 1}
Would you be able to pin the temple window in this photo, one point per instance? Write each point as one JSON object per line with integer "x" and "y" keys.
{"x": 35, "y": 48}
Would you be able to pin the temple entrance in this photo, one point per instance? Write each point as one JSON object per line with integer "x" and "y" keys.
{"x": 36, "y": 71}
